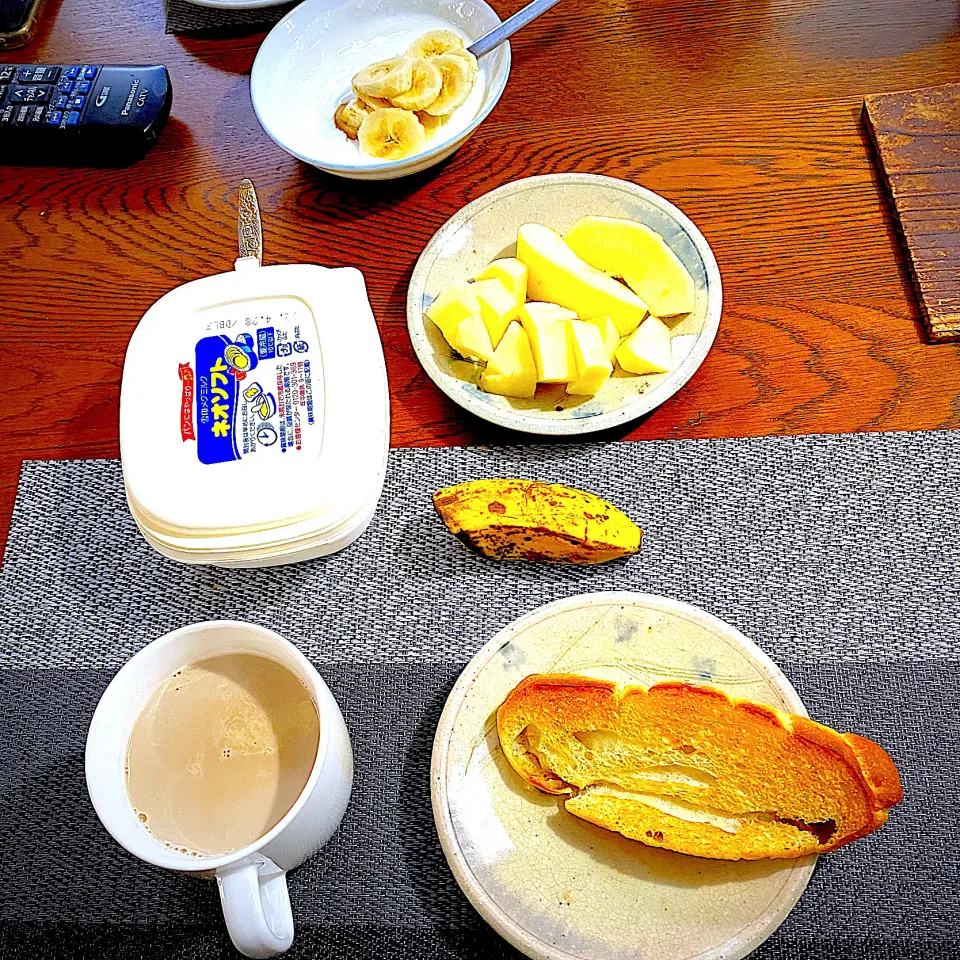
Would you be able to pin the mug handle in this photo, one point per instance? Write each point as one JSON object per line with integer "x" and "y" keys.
{"x": 256, "y": 906}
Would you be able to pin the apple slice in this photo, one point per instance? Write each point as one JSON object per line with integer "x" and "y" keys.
{"x": 647, "y": 350}
{"x": 558, "y": 275}
{"x": 627, "y": 249}
{"x": 593, "y": 366}
{"x": 546, "y": 325}
{"x": 455, "y": 303}
{"x": 611, "y": 339}
{"x": 472, "y": 340}
{"x": 510, "y": 272}
{"x": 498, "y": 306}
{"x": 512, "y": 371}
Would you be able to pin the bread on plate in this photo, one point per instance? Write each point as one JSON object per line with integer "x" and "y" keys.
{"x": 687, "y": 768}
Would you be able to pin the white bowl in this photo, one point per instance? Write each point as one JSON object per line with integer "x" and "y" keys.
{"x": 304, "y": 67}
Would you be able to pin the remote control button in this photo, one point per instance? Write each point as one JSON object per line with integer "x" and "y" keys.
{"x": 3, "y": 92}
{"x": 6, "y": 115}
{"x": 54, "y": 118}
{"x": 38, "y": 74}
{"x": 7, "y": 73}
{"x": 37, "y": 116}
{"x": 30, "y": 95}
{"x": 77, "y": 103}
{"x": 89, "y": 73}
{"x": 21, "y": 113}
{"x": 62, "y": 101}
{"x": 72, "y": 72}
{"x": 82, "y": 87}
{"x": 65, "y": 85}
{"x": 73, "y": 118}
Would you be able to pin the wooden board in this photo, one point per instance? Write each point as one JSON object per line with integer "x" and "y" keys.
{"x": 917, "y": 137}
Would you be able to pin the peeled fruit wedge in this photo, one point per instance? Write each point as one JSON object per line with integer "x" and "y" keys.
{"x": 627, "y": 249}
{"x": 471, "y": 339}
{"x": 546, "y": 326}
{"x": 611, "y": 338}
{"x": 457, "y": 84}
{"x": 647, "y": 350}
{"x": 498, "y": 307}
{"x": 510, "y": 272}
{"x": 350, "y": 115}
{"x": 385, "y": 79}
{"x": 435, "y": 43}
{"x": 593, "y": 366}
{"x": 511, "y": 371}
{"x": 558, "y": 275}
{"x": 391, "y": 134}
{"x": 527, "y": 520}
{"x": 454, "y": 303}
{"x": 424, "y": 88}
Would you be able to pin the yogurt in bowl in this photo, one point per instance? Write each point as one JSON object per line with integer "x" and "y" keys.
{"x": 304, "y": 68}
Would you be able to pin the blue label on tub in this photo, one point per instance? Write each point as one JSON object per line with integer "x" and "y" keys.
{"x": 216, "y": 401}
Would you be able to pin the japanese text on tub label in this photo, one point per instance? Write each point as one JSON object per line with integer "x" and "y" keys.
{"x": 254, "y": 388}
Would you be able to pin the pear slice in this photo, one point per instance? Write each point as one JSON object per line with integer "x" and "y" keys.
{"x": 556, "y": 274}
{"x": 512, "y": 371}
{"x": 593, "y": 366}
{"x": 627, "y": 249}
{"x": 546, "y": 325}
{"x": 647, "y": 350}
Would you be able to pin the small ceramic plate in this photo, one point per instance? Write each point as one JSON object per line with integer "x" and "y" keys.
{"x": 556, "y": 886}
{"x": 487, "y": 229}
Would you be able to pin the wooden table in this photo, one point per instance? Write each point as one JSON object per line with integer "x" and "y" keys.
{"x": 745, "y": 113}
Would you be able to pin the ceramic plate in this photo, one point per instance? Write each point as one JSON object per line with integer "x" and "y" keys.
{"x": 487, "y": 229}
{"x": 559, "y": 887}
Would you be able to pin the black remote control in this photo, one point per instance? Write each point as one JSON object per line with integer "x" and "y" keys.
{"x": 81, "y": 114}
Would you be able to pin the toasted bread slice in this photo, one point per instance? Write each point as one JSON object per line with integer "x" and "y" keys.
{"x": 687, "y": 768}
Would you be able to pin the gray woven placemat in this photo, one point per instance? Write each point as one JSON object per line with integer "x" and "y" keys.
{"x": 186, "y": 17}
{"x": 839, "y": 555}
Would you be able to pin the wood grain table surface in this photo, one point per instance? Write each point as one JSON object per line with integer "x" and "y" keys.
{"x": 745, "y": 113}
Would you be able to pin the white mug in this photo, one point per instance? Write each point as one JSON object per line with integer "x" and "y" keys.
{"x": 252, "y": 881}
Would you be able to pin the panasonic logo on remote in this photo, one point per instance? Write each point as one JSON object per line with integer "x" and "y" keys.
{"x": 131, "y": 96}
{"x": 102, "y": 96}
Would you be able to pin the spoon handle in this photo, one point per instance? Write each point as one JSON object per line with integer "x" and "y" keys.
{"x": 510, "y": 26}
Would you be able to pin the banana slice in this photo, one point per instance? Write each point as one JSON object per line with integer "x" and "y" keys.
{"x": 434, "y": 43}
{"x": 374, "y": 103}
{"x": 386, "y": 79}
{"x": 425, "y": 88}
{"x": 391, "y": 134}
{"x": 469, "y": 57}
{"x": 430, "y": 123}
{"x": 350, "y": 115}
{"x": 457, "y": 84}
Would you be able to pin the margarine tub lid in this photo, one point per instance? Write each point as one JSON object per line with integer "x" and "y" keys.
{"x": 254, "y": 399}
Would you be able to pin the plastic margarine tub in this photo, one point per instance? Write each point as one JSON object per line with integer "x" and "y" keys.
{"x": 254, "y": 414}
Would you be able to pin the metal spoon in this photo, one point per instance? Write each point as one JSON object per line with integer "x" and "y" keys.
{"x": 510, "y": 26}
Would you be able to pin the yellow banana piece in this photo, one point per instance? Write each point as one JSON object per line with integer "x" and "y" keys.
{"x": 457, "y": 83}
{"x": 350, "y": 115}
{"x": 424, "y": 89}
{"x": 470, "y": 59}
{"x": 430, "y": 123}
{"x": 528, "y": 520}
{"x": 387, "y": 79}
{"x": 391, "y": 134}
{"x": 434, "y": 43}
{"x": 374, "y": 103}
